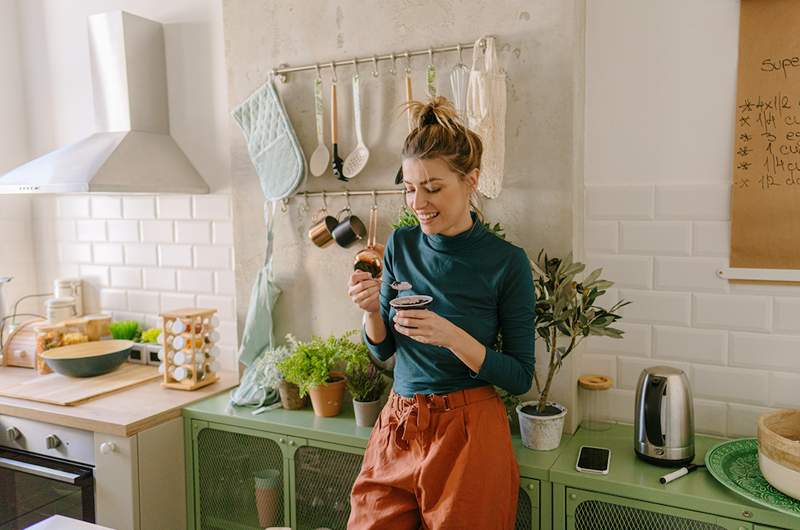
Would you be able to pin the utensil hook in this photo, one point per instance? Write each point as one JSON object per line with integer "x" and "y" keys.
{"x": 374, "y": 199}
{"x": 284, "y": 205}
{"x": 375, "y": 72}
{"x": 408, "y": 64}
{"x": 355, "y": 65}
{"x": 319, "y": 76}
{"x": 324, "y": 201}
{"x": 393, "y": 68}
{"x": 347, "y": 199}
{"x": 306, "y": 205}
{"x": 430, "y": 56}
{"x": 333, "y": 69}
{"x": 460, "y": 54}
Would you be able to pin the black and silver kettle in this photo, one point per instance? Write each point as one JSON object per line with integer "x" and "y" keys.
{"x": 664, "y": 421}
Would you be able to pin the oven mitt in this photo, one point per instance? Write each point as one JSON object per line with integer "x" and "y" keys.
{"x": 271, "y": 142}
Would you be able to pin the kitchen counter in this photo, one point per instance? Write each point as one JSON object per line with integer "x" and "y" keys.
{"x": 122, "y": 413}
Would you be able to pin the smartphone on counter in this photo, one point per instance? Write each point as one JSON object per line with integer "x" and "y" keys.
{"x": 593, "y": 460}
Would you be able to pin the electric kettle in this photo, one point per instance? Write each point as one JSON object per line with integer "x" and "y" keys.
{"x": 664, "y": 418}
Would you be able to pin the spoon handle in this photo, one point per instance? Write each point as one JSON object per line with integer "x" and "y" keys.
{"x": 318, "y": 110}
{"x": 357, "y": 108}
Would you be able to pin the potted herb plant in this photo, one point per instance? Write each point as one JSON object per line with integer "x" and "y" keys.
{"x": 311, "y": 366}
{"x": 365, "y": 382}
{"x": 566, "y": 314}
{"x": 273, "y": 378}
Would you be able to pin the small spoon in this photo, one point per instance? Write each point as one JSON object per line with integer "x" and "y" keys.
{"x": 319, "y": 159}
{"x": 401, "y": 286}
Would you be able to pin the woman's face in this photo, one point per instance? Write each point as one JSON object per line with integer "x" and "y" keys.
{"x": 438, "y": 195}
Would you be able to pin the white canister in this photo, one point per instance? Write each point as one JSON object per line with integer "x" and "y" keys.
{"x": 60, "y": 309}
{"x": 70, "y": 287}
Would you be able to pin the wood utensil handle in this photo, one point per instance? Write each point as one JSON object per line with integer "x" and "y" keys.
{"x": 409, "y": 98}
{"x": 373, "y": 227}
{"x": 333, "y": 114}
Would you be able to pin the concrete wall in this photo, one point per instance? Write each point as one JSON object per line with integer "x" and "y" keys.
{"x": 539, "y": 43}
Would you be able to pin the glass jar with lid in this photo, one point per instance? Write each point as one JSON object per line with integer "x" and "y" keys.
{"x": 595, "y": 402}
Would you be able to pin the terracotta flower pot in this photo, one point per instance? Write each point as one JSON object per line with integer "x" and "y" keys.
{"x": 327, "y": 398}
{"x": 290, "y": 396}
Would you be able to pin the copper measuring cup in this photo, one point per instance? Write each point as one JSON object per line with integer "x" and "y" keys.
{"x": 370, "y": 259}
{"x": 321, "y": 231}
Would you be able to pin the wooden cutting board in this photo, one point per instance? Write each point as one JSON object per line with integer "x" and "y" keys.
{"x": 59, "y": 389}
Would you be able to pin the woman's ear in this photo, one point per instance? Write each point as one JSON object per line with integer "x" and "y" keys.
{"x": 472, "y": 178}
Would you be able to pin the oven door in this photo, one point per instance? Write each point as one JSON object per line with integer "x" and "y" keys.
{"x": 33, "y": 488}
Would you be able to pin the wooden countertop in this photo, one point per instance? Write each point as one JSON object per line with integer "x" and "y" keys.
{"x": 122, "y": 413}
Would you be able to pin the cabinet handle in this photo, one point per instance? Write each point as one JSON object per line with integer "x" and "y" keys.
{"x": 291, "y": 442}
{"x": 572, "y": 496}
{"x": 108, "y": 447}
{"x": 531, "y": 487}
{"x": 281, "y": 440}
{"x": 747, "y": 514}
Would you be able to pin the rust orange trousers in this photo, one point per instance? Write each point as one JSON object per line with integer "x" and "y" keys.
{"x": 438, "y": 462}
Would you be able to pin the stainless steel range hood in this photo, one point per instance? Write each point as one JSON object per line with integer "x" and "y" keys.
{"x": 132, "y": 150}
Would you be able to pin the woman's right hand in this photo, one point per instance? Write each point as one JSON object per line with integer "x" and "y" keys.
{"x": 364, "y": 291}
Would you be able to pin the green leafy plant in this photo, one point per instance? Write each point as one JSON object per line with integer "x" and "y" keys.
{"x": 126, "y": 330}
{"x": 272, "y": 357}
{"x": 310, "y": 363}
{"x": 565, "y": 308}
{"x": 151, "y": 335}
{"x": 364, "y": 380}
{"x": 407, "y": 217}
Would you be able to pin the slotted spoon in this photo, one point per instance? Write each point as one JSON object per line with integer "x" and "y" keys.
{"x": 357, "y": 159}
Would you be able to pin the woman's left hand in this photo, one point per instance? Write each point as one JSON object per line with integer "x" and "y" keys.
{"x": 425, "y": 326}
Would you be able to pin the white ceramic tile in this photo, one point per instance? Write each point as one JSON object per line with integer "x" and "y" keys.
{"x": 704, "y": 202}
{"x": 113, "y": 299}
{"x": 765, "y": 289}
{"x": 223, "y": 233}
{"x": 140, "y": 254}
{"x": 143, "y": 302}
{"x": 621, "y": 405}
{"x": 601, "y": 237}
{"x": 710, "y": 417}
{"x": 128, "y": 315}
{"x": 123, "y": 231}
{"x": 227, "y": 332}
{"x": 193, "y": 232}
{"x": 110, "y": 253}
{"x": 711, "y": 238}
{"x": 728, "y": 311}
{"x": 743, "y": 420}
{"x": 73, "y": 206}
{"x": 64, "y": 230}
{"x": 690, "y": 344}
{"x": 619, "y": 202}
{"x": 126, "y": 277}
{"x": 195, "y": 281}
{"x": 625, "y": 271}
{"x": 759, "y": 350}
{"x": 106, "y": 207}
{"x": 656, "y": 237}
{"x": 656, "y": 307}
{"x": 174, "y": 207}
{"x": 173, "y": 301}
{"x": 690, "y": 274}
{"x": 225, "y": 282}
{"x": 175, "y": 255}
{"x": 212, "y": 257}
{"x": 91, "y": 230}
{"x": 223, "y": 305}
{"x": 76, "y": 252}
{"x": 730, "y": 384}
{"x": 157, "y": 231}
{"x": 598, "y": 364}
{"x": 630, "y": 368}
{"x": 95, "y": 274}
{"x": 635, "y": 341}
{"x": 212, "y": 207}
{"x": 139, "y": 207}
{"x": 784, "y": 390}
{"x": 159, "y": 279}
{"x": 787, "y": 315}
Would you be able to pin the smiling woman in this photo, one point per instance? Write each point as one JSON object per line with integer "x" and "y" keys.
{"x": 444, "y": 418}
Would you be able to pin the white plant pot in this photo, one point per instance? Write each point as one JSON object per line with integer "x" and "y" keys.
{"x": 367, "y": 412}
{"x": 541, "y": 433}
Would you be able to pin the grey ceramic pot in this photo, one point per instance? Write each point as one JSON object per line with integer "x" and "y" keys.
{"x": 367, "y": 412}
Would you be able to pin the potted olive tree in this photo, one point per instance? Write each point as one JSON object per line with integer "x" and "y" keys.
{"x": 566, "y": 314}
{"x": 365, "y": 382}
{"x": 311, "y": 366}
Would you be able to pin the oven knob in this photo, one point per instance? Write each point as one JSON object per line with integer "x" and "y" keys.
{"x": 52, "y": 441}
{"x": 13, "y": 434}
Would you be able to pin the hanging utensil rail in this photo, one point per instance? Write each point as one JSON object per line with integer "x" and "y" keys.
{"x": 348, "y": 193}
{"x": 284, "y": 69}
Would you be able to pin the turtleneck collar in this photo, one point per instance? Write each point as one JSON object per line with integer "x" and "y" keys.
{"x": 469, "y": 237}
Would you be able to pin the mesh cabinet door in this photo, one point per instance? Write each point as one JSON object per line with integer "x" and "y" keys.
{"x": 527, "y": 505}
{"x": 240, "y": 482}
{"x": 595, "y": 511}
{"x": 324, "y": 474}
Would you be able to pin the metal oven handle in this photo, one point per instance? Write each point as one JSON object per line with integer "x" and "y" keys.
{"x": 42, "y": 471}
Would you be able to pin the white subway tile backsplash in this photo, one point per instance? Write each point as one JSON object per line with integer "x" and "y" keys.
{"x": 113, "y": 299}
{"x": 711, "y": 238}
{"x": 625, "y": 271}
{"x": 175, "y": 255}
{"x": 743, "y": 420}
{"x": 91, "y": 230}
{"x": 760, "y": 350}
{"x": 730, "y": 384}
{"x": 693, "y": 202}
{"x": 174, "y": 207}
{"x": 195, "y": 281}
{"x": 223, "y": 305}
{"x": 140, "y": 254}
{"x": 692, "y": 345}
{"x": 630, "y": 368}
{"x": 73, "y": 206}
{"x": 752, "y": 313}
{"x": 787, "y": 315}
{"x": 95, "y": 274}
{"x": 159, "y": 279}
{"x": 635, "y": 341}
{"x": 225, "y": 282}
{"x": 598, "y": 364}
{"x": 601, "y": 237}
{"x": 76, "y": 252}
{"x": 110, "y": 253}
{"x": 784, "y": 391}
{"x": 106, "y": 207}
{"x": 128, "y": 315}
{"x": 126, "y": 277}
{"x": 710, "y": 417}
{"x": 212, "y": 207}
{"x": 227, "y": 332}
{"x": 123, "y": 231}
{"x": 619, "y": 202}
{"x": 690, "y": 274}
{"x": 170, "y": 302}
{"x": 212, "y": 257}
{"x": 65, "y": 230}
{"x": 143, "y": 302}
{"x": 621, "y": 404}
{"x": 157, "y": 231}
{"x": 656, "y": 237}
{"x": 193, "y": 232}
{"x": 656, "y": 307}
{"x": 139, "y": 207}
{"x": 223, "y": 233}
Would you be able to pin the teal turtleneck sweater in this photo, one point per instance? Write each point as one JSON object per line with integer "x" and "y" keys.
{"x": 480, "y": 283}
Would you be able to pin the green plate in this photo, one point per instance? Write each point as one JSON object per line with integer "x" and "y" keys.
{"x": 735, "y": 464}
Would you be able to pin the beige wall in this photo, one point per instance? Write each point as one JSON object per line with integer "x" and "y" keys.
{"x": 539, "y": 48}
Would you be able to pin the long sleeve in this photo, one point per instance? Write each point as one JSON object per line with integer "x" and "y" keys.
{"x": 512, "y": 369}
{"x": 385, "y": 349}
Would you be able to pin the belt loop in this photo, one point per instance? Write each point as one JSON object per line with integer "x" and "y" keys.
{"x": 446, "y": 400}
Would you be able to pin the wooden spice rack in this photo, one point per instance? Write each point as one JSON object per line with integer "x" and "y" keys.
{"x": 188, "y": 338}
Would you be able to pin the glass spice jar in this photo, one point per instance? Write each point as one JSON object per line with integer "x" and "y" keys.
{"x": 594, "y": 398}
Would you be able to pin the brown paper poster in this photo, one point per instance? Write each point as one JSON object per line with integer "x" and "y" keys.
{"x": 765, "y": 197}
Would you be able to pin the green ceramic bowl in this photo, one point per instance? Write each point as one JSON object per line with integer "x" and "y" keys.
{"x": 89, "y": 358}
